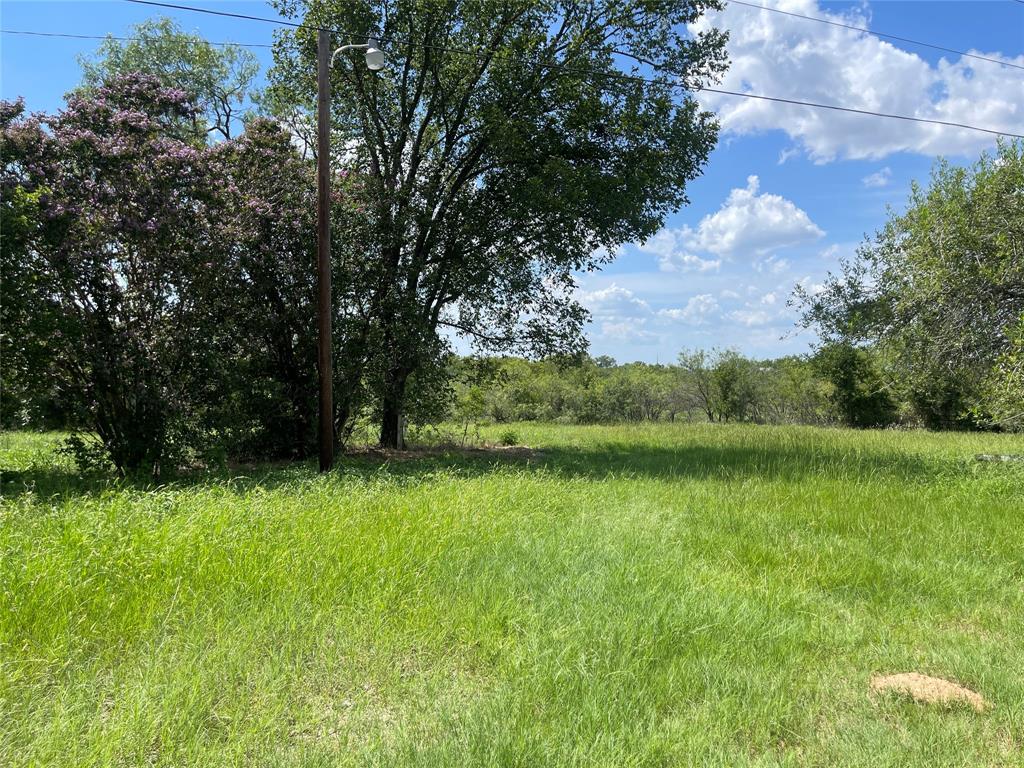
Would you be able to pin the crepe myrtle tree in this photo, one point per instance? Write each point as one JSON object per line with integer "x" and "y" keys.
{"x": 505, "y": 147}
{"x": 117, "y": 312}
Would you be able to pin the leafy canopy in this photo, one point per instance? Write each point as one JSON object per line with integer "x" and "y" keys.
{"x": 216, "y": 78}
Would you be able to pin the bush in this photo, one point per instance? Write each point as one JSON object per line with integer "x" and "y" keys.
{"x": 857, "y": 390}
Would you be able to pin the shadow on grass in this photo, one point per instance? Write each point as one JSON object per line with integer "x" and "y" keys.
{"x": 709, "y": 462}
{"x": 784, "y": 462}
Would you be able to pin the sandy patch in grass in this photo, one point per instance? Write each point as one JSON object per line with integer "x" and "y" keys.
{"x": 928, "y": 690}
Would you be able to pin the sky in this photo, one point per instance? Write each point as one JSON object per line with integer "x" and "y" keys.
{"x": 786, "y": 194}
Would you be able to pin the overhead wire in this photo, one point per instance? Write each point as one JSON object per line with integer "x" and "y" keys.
{"x": 119, "y": 38}
{"x": 606, "y": 75}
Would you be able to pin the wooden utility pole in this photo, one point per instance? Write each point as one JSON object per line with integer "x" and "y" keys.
{"x": 323, "y": 205}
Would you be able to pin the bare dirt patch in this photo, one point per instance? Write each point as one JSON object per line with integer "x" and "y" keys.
{"x": 928, "y": 690}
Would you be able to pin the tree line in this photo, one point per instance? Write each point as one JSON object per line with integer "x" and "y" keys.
{"x": 838, "y": 385}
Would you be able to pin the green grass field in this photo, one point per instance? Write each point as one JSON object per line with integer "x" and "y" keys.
{"x": 628, "y": 596}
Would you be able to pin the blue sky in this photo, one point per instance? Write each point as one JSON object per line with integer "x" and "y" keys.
{"x": 787, "y": 191}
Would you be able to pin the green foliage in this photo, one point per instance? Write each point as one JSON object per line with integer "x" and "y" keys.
{"x": 160, "y": 290}
{"x": 89, "y": 455}
{"x": 1005, "y": 384}
{"x": 115, "y": 267}
{"x": 217, "y": 79}
{"x": 857, "y": 389}
{"x": 718, "y": 386}
{"x": 939, "y": 291}
{"x": 509, "y": 437}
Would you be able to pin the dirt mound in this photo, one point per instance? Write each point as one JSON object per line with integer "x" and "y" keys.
{"x": 928, "y": 690}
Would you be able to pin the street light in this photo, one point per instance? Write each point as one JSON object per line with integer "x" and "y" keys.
{"x": 324, "y": 60}
{"x": 375, "y": 60}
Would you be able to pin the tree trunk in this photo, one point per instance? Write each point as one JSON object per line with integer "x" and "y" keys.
{"x": 391, "y": 432}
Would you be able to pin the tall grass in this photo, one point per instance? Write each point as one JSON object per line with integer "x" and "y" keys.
{"x": 627, "y": 596}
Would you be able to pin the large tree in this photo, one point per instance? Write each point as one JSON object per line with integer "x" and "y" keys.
{"x": 506, "y": 146}
{"x": 939, "y": 290}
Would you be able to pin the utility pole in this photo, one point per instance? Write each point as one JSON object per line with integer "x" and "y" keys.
{"x": 323, "y": 249}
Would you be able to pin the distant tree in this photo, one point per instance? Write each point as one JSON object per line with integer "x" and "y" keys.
{"x": 790, "y": 390}
{"x": 698, "y": 366}
{"x": 734, "y": 379}
{"x": 494, "y": 177}
{"x": 217, "y": 79}
{"x": 939, "y": 290}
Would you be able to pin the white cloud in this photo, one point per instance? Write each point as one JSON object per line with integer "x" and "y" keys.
{"x": 614, "y": 302}
{"x": 627, "y": 330}
{"x": 782, "y": 56}
{"x": 728, "y": 293}
{"x": 696, "y": 312}
{"x": 786, "y": 154}
{"x": 878, "y": 178}
{"x": 673, "y": 255}
{"x": 751, "y": 317}
{"x": 774, "y": 265}
{"x": 769, "y": 298}
{"x": 810, "y": 285}
{"x": 749, "y": 223}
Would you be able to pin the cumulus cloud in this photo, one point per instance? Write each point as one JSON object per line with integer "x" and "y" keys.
{"x": 810, "y": 285}
{"x": 878, "y": 178}
{"x": 792, "y": 58}
{"x": 748, "y": 223}
{"x": 628, "y": 330}
{"x": 671, "y": 248}
{"x": 773, "y": 265}
{"x": 614, "y": 302}
{"x": 751, "y": 317}
{"x": 752, "y": 223}
{"x": 696, "y": 312}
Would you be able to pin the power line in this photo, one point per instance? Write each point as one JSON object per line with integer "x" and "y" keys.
{"x": 653, "y": 81}
{"x": 221, "y": 13}
{"x": 876, "y": 34}
{"x": 115, "y": 37}
{"x": 838, "y": 108}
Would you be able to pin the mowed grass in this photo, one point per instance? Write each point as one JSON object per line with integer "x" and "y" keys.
{"x": 630, "y": 596}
